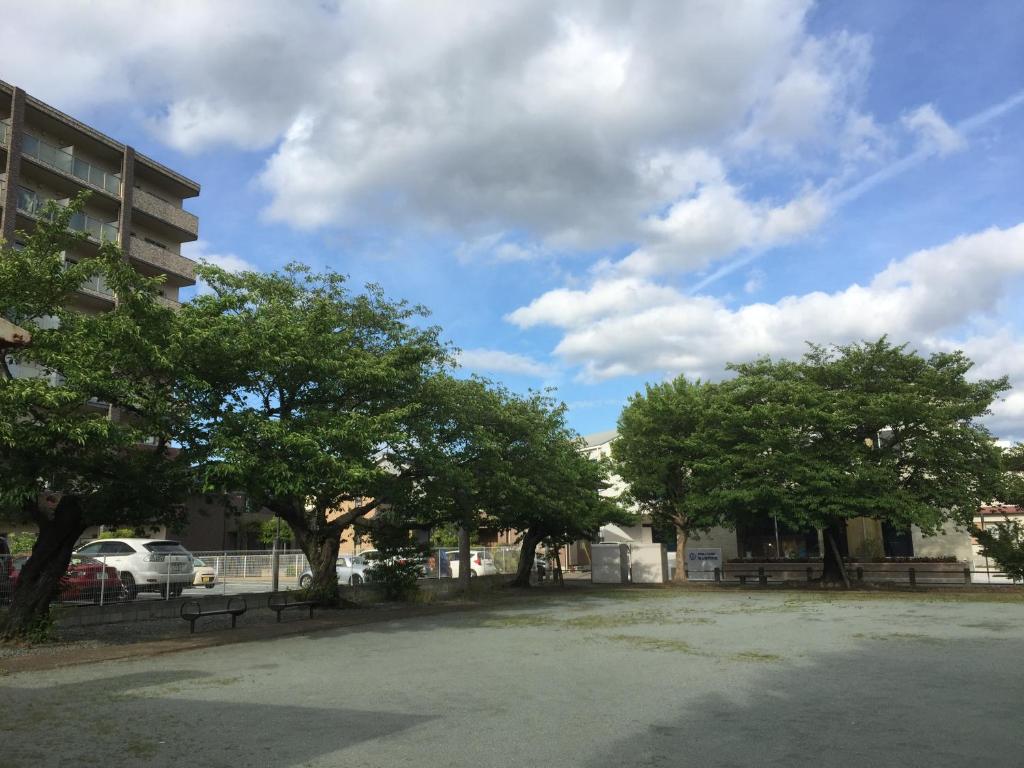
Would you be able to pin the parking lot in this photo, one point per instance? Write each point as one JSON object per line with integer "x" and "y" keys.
{"x": 592, "y": 678}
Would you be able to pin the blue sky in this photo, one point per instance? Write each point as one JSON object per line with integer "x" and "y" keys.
{"x": 591, "y": 196}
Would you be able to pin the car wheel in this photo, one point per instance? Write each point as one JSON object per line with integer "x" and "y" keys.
{"x": 305, "y": 581}
{"x": 210, "y": 586}
{"x": 472, "y": 574}
{"x": 354, "y": 579}
{"x": 130, "y": 590}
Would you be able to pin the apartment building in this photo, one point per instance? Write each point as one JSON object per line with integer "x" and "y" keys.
{"x": 135, "y": 201}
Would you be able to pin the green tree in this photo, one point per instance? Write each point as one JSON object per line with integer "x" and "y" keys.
{"x": 659, "y": 448}
{"x": 1003, "y": 541}
{"x": 275, "y": 528}
{"x": 482, "y": 453}
{"x": 864, "y": 430}
{"x": 557, "y": 494}
{"x": 457, "y": 449}
{"x": 302, "y": 386}
{"x": 89, "y": 442}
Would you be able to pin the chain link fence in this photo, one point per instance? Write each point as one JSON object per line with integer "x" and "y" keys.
{"x": 105, "y": 580}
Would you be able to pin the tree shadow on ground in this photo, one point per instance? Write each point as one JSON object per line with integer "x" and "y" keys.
{"x": 175, "y": 718}
{"x": 901, "y": 702}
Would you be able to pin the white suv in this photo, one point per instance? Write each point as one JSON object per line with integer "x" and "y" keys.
{"x": 480, "y": 563}
{"x": 145, "y": 565}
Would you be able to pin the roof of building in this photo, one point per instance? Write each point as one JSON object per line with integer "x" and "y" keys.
{"x": 189, "y": 187}
{"x": 1010, "y": 510}
{"x": 600, "y": 438}
{"x": 12, "y": 335}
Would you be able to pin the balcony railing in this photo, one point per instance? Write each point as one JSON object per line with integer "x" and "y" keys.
{"x": 96, "y": 284}
{"x": 165, "y": 211}
{"x": 55, "y": 157}
{"x": 32, "y": 204}
{"x": 161, "y": 257}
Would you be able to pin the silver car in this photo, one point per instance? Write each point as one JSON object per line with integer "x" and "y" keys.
{"x": 351, "y": 570}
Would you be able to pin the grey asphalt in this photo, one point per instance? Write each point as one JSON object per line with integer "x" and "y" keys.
{"x": 632, "y": 678}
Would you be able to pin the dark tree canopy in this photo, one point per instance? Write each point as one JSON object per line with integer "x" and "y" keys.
{"x": 87, "y": 440}
{"x": 660, "y": 447}
{"x": 301, "y": 386}
{"x": 482, "y": 454}
{"x": 864, "y": 430}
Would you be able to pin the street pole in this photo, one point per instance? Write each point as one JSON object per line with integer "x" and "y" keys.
{"x": 275, "y": 559}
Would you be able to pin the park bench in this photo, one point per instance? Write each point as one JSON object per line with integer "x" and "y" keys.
{"x": 191, "y": 611}
{"x": 279, "y": 603}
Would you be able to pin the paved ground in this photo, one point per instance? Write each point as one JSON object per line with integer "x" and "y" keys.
{"x": 629, "y": 678}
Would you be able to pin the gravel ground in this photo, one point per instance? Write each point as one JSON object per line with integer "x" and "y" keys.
{"x": 598, "y": 679}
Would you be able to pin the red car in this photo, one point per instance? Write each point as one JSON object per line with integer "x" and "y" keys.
{"x": 85, "y": 579}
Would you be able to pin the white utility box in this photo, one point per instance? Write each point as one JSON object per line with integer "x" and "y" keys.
{"x": 609, "y": 563}
{"x": 648, "y": 563}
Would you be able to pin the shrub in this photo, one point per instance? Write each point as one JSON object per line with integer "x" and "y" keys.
{"x": 1004, "y": 543}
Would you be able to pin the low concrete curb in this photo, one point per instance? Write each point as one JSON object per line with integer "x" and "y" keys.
{"x": 147, "y": 610}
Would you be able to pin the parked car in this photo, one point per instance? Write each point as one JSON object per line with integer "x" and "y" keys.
{"x": 89, "y": 579}
{"x": 205, "y": 576}
{"x": 85, "y": 579}
{"x": 369, "y": 555}
{"x": 480, "y": 563}
{"x": 145, "y": 565}
{"x": 350, "y": 569}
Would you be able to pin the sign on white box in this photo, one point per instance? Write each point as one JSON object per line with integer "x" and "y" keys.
{"x": 701, "y": 563}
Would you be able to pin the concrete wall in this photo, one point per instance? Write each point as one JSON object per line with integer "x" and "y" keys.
{"x": 949, "y": 542}
{"x": 720, "y": 538}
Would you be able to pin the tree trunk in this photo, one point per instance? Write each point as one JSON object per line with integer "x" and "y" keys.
{"x": 531, "y": 539}
{"x": 682, "y": 537}
{"x": 320, "y": 545}
{"x": 833, "y": 572}
{"x": 464, "y": 568}
{"x": 39, "y": 580}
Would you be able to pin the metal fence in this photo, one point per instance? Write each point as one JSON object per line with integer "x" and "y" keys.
{"x": 104, "y": 580}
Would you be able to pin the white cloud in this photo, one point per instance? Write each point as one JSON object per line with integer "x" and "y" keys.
{"x": 566, "y": 308}
{"x": 815, "y": 97}
{"x": 497, "y": 361}
{"x": 496, "y": 247}
{"x": 935, "y": 133}
{"x": 1007, "y": 419}
{"x": 754, "y": 282}
{"x": 622, "y": 327}
{"x": 200, "y": 251}
{"x": 547, "y": 118}
{"x": 717, "y": 222}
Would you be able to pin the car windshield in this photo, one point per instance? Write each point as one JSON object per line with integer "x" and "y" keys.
{"x": 199, "y": 563}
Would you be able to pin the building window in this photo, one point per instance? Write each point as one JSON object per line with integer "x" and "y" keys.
{"x": 764, "y": 539}
{"x": 897, "y": 540}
